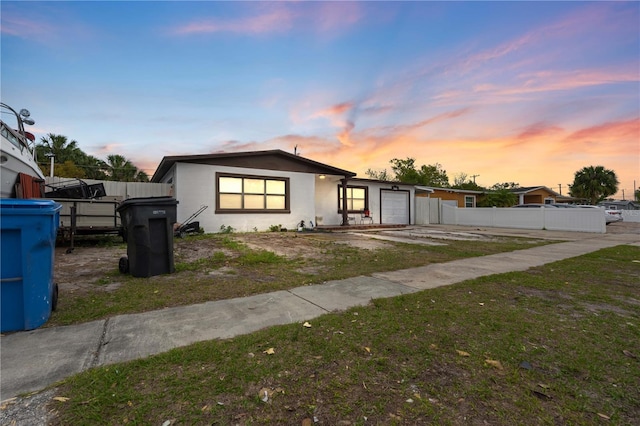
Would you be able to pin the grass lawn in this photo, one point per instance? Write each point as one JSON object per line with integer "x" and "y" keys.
{"x": 558, "y": 344}
{"x": 222, "y": 266}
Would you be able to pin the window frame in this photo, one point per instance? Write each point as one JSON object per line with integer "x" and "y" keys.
{"x": 366, "y": 198}
{"x": 473, "y": 201}
{"x": 287, "y": 194}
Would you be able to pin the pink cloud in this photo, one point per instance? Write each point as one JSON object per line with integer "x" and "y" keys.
{"x": 331, "y": 16}
{"x": 322, "y": 17}
{"x": 538, "y": 45}
{"x": 278, "y": 20}
{"x": 537, "y": 130}
{"x": 26, "y": 28}
{"x": 345, "y": 135}
{"x": 545, "y": 81}
{"x": 108, "y": 149}
{"x": 609, "y": 132}
{"x": 335, "y": 110}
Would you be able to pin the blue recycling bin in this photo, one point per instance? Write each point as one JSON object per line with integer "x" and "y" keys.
{"x": 27, "y": 247}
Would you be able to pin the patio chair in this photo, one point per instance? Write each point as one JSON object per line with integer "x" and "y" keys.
{"x": 366, "y": 215}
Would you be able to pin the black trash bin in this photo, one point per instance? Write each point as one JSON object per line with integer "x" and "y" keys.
{"x": 148, "y": 229}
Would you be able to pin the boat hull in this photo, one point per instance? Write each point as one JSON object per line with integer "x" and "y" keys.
{"x": 13, "y": 161}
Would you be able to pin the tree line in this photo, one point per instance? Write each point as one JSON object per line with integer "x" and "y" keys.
{"x": 592, "y": 184}
{"x": 71, "y": 162}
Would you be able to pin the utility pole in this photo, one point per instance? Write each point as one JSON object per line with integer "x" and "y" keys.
{"x": 474, "y": 178}
{"x": 560, "y": 186}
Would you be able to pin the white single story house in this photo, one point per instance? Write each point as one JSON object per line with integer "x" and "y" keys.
{"x": 256, "y": 190}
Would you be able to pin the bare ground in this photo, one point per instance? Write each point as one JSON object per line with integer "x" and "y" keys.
{"x": 77, "y": 271}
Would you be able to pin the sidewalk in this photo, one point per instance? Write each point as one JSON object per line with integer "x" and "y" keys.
{"x": 32, "y": 360}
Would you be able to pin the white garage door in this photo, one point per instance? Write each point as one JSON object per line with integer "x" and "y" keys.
{"x": 395, "y": 207}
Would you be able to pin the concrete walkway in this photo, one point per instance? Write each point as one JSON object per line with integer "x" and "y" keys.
{"x": 32, "y": 360}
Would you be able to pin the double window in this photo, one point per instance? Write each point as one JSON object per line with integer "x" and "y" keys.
{"x": 251, "y": 194}
{"x": 357, "y": 198}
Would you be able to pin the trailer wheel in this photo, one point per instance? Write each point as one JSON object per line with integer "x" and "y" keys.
{"x": 123, "y": 265}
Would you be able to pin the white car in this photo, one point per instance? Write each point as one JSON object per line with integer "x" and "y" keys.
{"x": 610, "y": 216}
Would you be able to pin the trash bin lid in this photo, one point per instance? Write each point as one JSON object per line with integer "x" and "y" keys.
{"x": 147, "y": 201}
{"x": 30, "y": 206}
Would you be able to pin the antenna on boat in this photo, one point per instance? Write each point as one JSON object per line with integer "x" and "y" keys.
{"x": 22, "y": 117}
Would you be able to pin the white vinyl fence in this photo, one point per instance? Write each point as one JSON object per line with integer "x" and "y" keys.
{"x": 631, "y": 215}
{"x": 422, "y": 210}
{"x": 121, "y": 190}
{"x": 578, "y": 220}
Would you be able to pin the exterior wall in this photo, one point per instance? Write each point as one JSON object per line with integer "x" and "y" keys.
{"x": 375, "y": 199}
{"x": 195, "y": 186}
{"x": 458, "y": 197}
{"x": 450, "y": 196}
{"x": 326, "y": 200}
{"x": 535, "y": 197}
{"x": 312, "y": 200}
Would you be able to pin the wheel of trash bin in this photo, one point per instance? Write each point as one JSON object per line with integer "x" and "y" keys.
{"x": 54, "y": 298}
{"x": 123, "y": 265}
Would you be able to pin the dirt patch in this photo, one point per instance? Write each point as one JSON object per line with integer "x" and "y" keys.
{"x": 80, "y": 270}
{"x": 83, "y": 269}
{"x": 305, "y": 245}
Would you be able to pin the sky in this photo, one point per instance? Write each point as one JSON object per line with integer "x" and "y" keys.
{"x": 525, "y": 92}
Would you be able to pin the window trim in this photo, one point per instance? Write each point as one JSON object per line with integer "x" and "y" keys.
{"x": 473, "y": 201}
{"x": 287, "y": 194}
{"x": 366, "y": 198}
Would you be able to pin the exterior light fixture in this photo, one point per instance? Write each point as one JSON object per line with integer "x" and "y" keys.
{"x": 322, "y": 177}
{"x": 395, "y": 188}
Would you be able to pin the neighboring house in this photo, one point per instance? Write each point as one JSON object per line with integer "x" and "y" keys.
{"x": 535, "y": 194}
{"x": 620, "y": 205}
{"x": 259, "y": 189}
{"x": 457, "y": 197}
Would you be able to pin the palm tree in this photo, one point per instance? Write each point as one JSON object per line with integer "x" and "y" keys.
{"x": 594, "y": 184}
{"x": 121, "y": 169}
{"x": 60, "y": 147}
{"x": 93, "y": 167}
{"x": 142, "y": 176}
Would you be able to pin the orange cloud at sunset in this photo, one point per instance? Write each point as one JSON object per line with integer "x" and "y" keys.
{"x": 550, "y": 156}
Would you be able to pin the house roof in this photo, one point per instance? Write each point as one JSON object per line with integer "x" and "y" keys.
{"x": 275, "y": 159}
{"x": 456, "y": 190}
{"x": 527, "y": 189}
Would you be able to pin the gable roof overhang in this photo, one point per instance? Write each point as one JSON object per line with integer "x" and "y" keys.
{"x": 525, "y": 190}
{"x": 424, "y": 189}
{"x": 266, "y": 160}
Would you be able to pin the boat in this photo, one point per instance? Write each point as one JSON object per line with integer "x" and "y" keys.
{"x": 17, "y": 153}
